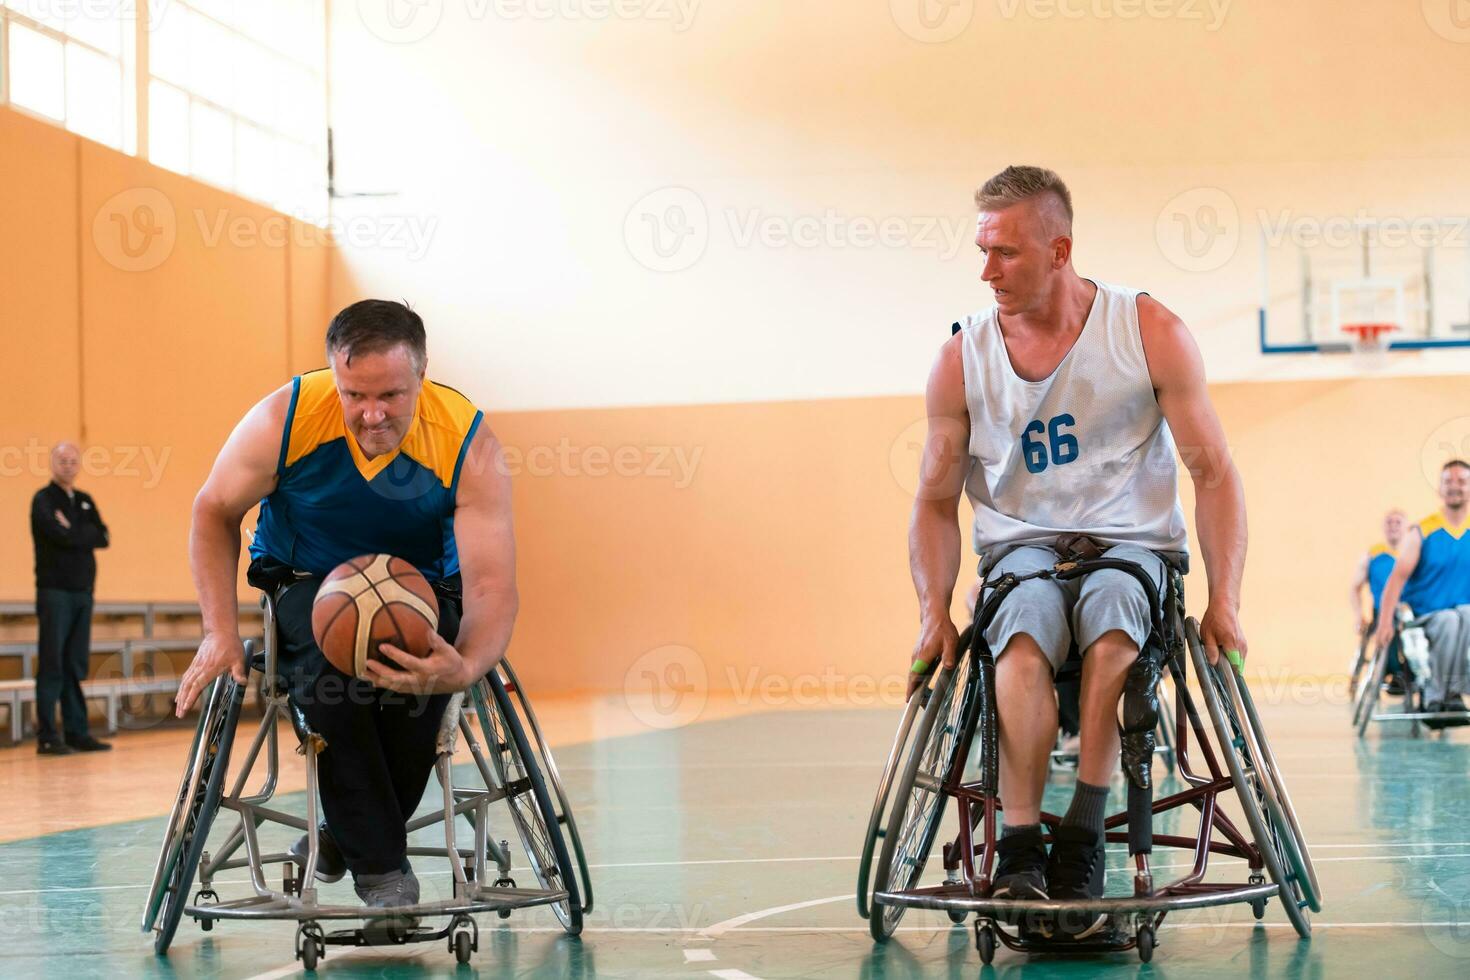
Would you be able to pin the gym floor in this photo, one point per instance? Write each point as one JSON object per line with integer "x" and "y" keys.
{"x": 728, "y": 848}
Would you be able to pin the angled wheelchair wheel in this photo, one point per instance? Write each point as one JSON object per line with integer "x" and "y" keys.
{"x": 1279, "y": 802}
{"x": 528, "y": 798}
{"x": 1282, "y": 851}
{"x": 1369, "y": 690}
{"x": 1360, "y": 663}
{"x": 194, "y": 811}
{"x": 917, "y": 805}
{"x": 878, "y": 817}
{"x": 560, "y": 803}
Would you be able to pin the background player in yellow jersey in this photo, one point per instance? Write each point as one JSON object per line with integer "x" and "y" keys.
{"x": 364, "y": 457}
{"x": 1374, "y": 569}
{"x": 1431, "y": 574}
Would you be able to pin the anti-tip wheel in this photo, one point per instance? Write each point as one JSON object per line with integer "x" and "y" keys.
{"x": 1258, "y": 908}
{"x": 957, "y": 915}
{"x": 462, "y": 947}
{"x": 1145, "y": 943}
{"x": 309, "y": 953}
{"x": 985, "y": 942}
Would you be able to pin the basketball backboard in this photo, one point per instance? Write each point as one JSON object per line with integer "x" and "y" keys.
{"x": 1318, "y": 279}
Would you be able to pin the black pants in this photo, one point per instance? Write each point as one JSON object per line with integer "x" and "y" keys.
{"x": 380, "y": 744}
{"x": 65, "y": 647}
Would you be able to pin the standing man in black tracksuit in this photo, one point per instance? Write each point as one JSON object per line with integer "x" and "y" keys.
{"x": 66, "y": 528}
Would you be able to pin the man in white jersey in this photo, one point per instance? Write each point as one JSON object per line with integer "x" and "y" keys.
{"x": 1056, "y": 411}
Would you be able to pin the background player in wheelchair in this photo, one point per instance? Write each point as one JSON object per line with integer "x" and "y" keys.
{"x": 1429, "y": 587}
{"x": 365, "y": 457}
{"x": 1056, "y": 411}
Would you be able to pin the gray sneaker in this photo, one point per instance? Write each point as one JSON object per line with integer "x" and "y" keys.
{"x": 393, "y": 890}
{"x": 330, "y": 865}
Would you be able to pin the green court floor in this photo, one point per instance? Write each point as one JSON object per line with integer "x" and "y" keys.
{"x": 729, "y": 849}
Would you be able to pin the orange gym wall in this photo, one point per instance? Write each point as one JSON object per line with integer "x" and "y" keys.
{"x": 147, "y": 353}
{"x": 785, "y": 552}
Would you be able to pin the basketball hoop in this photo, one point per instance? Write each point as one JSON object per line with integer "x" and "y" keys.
{"x": 1370, "y": 342}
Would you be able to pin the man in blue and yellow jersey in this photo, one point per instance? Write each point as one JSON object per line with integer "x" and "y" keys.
{"x": 1431, "y": 574}
{"x": 365, "y": 456}
{"x": 1374, "y": 568}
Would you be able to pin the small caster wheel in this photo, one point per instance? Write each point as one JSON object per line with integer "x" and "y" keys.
{"x": 1258, "y": 908}
{"x": 985, "y": 943}
{"x": 1145, "y": 943}
{"x": 957, "y": 915}
{"x": 462, "y": 947}
{"x": 503, "y": 913}
{"x": 309, "y": 953}
{"x": 206, "y": 924}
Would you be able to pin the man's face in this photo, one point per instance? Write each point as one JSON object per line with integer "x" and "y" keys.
{"x": 66, "y": 461}
{"x": 1453, "y": 484}
{"x": 378, "y": 393}
{"x": 1393, "y": 528}
{"x": 1019, "y": 256}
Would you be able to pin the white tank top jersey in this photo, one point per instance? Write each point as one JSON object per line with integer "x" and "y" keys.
{"x": 1085, "y": 450}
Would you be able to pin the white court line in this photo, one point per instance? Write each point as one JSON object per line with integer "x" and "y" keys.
{"x": 732, "y": 975}
{"x": 699, "y": 956}
{"x": 720, "y": 928}
{"x": 788, "y": 860}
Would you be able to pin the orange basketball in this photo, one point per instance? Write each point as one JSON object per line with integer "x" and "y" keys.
{"x": 370, "y": 600}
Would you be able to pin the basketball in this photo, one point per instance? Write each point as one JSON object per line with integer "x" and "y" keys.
{"x": 371, "y": 600}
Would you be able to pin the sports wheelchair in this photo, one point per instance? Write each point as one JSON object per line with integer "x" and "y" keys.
{"x": 512, "y": 767}
{"x": 1403, "y": 665}
{"x": 953, "y": 722}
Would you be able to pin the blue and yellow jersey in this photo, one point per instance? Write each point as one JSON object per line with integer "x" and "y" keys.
{"x": 331, "y": 503}
{"x": 1441, "y": 580}
{"x": 1380, "y": 567}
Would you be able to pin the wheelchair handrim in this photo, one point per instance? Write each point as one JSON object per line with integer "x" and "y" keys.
{"x": 1298, "y": 851}
{"x": 553, "y": 776}
{"x": 173, "y": 836}
{"x": 880, "y": 801}
{"x": 569, "y": 910}
{"x": 945, "y": 702}
{"x": 1212, "y": 688}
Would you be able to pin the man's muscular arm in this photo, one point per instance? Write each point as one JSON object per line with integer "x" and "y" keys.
{"x": 1405, "y": 560}
{"x": 934, "y": 532}
{"x": 1178, "y": 376}
{"x": 243, "y": 473}
{"x": 485, "y": 540}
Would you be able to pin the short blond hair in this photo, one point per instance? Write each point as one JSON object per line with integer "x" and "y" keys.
{"x": 1019, "y": 183}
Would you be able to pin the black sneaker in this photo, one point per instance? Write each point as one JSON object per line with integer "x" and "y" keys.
{"x": 1434, "y": 707}
{"x": 1020, "y": 868}
{"x": 87, "y": 743}
{"x": 53, "y": 748}
{"x": 1456, "y": 703}
{"x": 330, "y": 865}
{"x": 1074, "y": 872}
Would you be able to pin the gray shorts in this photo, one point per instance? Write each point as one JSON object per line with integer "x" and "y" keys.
{"x": 1055, "y": 613}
